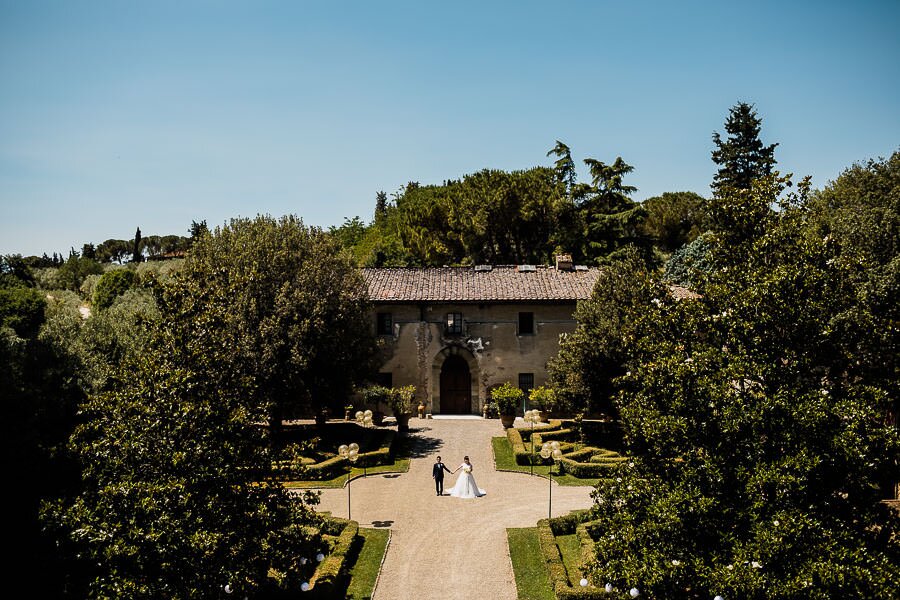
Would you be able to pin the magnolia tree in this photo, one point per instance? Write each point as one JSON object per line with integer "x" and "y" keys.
{"x": 756, "y": 426}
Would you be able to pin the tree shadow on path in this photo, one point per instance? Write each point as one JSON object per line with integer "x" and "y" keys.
{"x": 419, "y": 444}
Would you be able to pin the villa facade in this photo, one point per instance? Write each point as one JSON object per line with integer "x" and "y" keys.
{"x": 457, "y": 332}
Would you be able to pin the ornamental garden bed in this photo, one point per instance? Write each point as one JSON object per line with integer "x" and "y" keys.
{"x": 310, "y": 452}
{"x": 351, "y": 560}
{"x": 564, "y": 545}
{"x": 580, "y": 460}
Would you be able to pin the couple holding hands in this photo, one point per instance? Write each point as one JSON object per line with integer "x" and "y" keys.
{"x": 465, "y": 485}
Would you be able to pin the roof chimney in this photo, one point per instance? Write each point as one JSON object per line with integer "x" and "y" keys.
{"x": 564, "y": 262}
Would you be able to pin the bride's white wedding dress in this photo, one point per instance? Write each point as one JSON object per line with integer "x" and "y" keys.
{"x": 465, "y": 484}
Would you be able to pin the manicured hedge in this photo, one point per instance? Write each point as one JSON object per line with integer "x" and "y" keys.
{"x": 603, "y": 454}
{"x": 559, "y": 435}
{"x": 330, "y": 575}
{"x": 591, "y": 470}
{"x": 559, "y": 577}
{"x": 516, "y": 441}
{"x": 336, "y": 465}
{"x": 587, "y": 462}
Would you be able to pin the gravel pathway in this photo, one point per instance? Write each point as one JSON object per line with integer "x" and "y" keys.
{"x": 443, "y": 547}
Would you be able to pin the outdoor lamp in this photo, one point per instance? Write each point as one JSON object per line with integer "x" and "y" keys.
{"x": 304, "y": 586}
{"x": 583, "y": 582}
{"x": 320, "y": 557}
{"x": 532, "y": 416}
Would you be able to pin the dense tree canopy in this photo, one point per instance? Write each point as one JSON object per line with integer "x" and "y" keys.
{"x": 592, "y": 357}
{"x": 500, "y": 217}
{"x": 757, "y": 421}
{"x": 674, "y": 219}
{"x": 298, "y": 311}
{"x": 111, "y": 285}
{"x": 177, "y": 500}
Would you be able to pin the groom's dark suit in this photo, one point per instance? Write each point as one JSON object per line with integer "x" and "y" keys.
{"x": 437, "y": 471}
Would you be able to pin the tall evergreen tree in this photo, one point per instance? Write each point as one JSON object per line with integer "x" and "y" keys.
{"x": 564, "y": 165}
{"x": 741, "y": 157}
{"x": 136, "y": 250}
{"x": 380, "y": 205}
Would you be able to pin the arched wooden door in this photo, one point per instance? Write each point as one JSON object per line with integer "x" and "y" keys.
{"x": 456, "y": 386}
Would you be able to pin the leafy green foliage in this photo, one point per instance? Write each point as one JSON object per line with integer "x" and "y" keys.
{"x": 111, "y": 285}
{"x": 692, "y": 264}
{"x": 15, "y": 271}
{"x": 757, "y": 427}
{"x": 590, "y": 359}
{"x": 39, "y": 394}
{"x": 21, "y": 309}
{"x": 402, "y": 400}
{"x": 298, "y": 311}
{"x": 177, "y": 498}
{"x": 73, "y": 272}
{"x": 500, "y": 217}
{"x": 674, "y": 219}
{"x": 741, "y": 157}
{"x": 507, "y": 398}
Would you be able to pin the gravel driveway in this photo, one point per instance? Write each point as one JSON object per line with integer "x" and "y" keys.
{"x": 443, "y": 547}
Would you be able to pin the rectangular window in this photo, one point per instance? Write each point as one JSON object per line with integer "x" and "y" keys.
{"x": 385, "y": 325}
{"x": 454, "y": 323}
{"x": 526, "y": 323}
{"x": 385, "y": 379}
{"x": 526, "y": 382}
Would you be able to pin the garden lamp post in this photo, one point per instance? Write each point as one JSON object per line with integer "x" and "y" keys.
{"x": 550, "y": 450}
{"x": 364, "y": 419}
{"x": 532, "y": 416}
{"x": 351, "y": 454}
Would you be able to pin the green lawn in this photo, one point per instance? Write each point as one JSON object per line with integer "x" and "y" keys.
{"x": 504, "y": 460}
{"x": 532, "y": 582}
{"x": 365, "y": 572}
{"x": 400, "y": 465}
{"x": 570, "y": 548}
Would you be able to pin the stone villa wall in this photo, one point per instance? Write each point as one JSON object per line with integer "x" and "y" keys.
{"x": 490, "y": 343}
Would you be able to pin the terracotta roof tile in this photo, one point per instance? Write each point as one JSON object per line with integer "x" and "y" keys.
{"x": 505, "y": 283}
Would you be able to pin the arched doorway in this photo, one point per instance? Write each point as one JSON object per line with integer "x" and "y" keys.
{"x": 456, "y": 386}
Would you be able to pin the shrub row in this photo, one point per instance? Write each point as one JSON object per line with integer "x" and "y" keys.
{"x": 336, "y": 465}
{"x": 591, "y": 470}
{"x": 603, "y": 454}
{"x": 331, "y": 573}
{"x": 556, "y": 569}
{"x": 514, "y": 435}
{"x": 559, "y": 435}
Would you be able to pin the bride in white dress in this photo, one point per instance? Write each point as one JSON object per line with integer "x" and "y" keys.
{"x": 465, "y": 485}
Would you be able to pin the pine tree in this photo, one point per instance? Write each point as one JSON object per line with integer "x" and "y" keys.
{"x": 741, "y": 157}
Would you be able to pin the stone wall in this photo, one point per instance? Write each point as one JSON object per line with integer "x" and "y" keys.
{"x": 490, "y": 343}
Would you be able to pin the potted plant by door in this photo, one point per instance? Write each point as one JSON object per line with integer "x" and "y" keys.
{"x": 544, "y": 399}
{"x": 508, "y": 399}
{"x": 375, "y": 396}
{"x": 402, "y": 401}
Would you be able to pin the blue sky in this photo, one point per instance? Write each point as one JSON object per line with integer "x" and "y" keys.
{"x": 121, "y": 114}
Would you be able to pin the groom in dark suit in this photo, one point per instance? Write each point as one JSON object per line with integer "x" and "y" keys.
{"x": 437, "y": 471}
